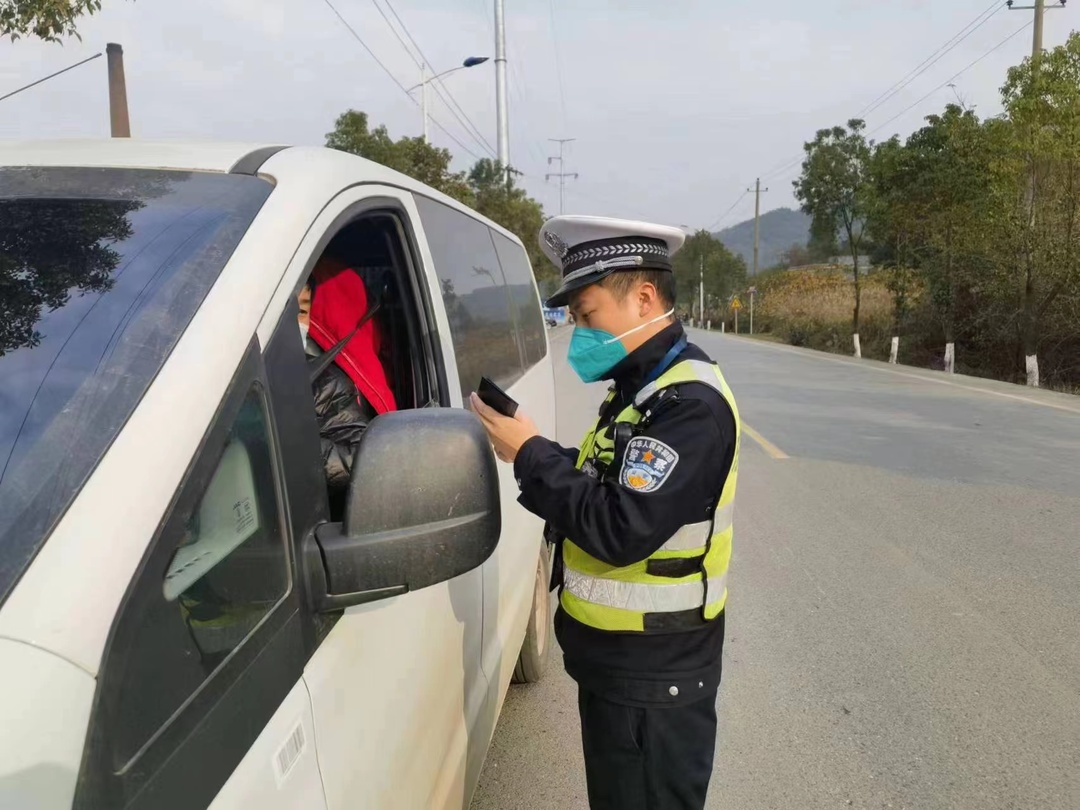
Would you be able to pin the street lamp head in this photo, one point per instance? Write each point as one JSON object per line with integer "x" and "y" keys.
{"x": 473, "y": 61}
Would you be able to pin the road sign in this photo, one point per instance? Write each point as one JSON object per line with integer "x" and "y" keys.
{"x": 736, "y": 304}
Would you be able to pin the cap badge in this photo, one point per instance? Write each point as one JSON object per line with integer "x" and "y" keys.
{"x": 556, "y": 244}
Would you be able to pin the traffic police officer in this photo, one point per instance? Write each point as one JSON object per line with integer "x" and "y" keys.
{"x": 641, "y": 516}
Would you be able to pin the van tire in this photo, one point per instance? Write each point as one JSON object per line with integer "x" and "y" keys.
{"x": 539, "y": 632}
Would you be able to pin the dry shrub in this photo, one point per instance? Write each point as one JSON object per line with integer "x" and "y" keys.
{"x": 813, "y": 308}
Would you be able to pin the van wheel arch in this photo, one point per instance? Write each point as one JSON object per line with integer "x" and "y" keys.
{"x": 539, "y": 633}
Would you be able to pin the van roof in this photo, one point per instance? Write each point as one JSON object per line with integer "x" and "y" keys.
{"x": 210, "y": 156}
{"x": 131, "y": 153}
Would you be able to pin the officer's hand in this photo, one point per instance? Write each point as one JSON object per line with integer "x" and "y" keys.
{"x": 506, "y": 433}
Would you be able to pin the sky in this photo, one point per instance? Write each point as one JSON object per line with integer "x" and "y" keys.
{"x": 675, "y": 107}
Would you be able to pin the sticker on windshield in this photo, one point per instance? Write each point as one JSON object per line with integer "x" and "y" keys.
{"x": 647, "y": 464}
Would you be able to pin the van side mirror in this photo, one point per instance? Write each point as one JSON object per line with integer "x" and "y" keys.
{"x": 423, "y": 508}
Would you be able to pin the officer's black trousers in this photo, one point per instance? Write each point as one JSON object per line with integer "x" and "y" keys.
{"x": 647, "y": 759}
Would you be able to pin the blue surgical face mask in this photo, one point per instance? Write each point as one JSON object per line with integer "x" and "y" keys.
{"x": 594, "y": 352}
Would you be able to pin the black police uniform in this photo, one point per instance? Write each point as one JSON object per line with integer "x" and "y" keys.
{"x": 646, "y": 700}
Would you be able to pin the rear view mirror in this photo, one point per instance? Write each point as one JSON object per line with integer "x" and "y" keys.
{"x": 423, "y": 508}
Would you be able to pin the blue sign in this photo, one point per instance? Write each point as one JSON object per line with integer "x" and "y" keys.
{"x": 557, "y": 314}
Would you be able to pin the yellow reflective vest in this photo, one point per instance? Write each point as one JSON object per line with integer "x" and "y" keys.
{"x": 619, "y": 598}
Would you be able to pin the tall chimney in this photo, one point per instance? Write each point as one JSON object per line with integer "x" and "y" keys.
{"x": 118, "y": 107}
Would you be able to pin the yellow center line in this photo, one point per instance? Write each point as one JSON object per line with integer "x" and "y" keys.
{"x": 770, "y": 449}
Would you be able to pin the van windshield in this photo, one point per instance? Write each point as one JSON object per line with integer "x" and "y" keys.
{"x": 101, "y": 270}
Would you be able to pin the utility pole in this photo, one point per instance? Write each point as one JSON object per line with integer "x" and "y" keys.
{"x": 119, "y": 124}
{"x": 1031, "y": 360}
{"x": 561, "y": 174}
{"x": 1037, "y": 34}
{"x": 502, "y": 113}
{"x": 752, "y": 292}
{"x": 701, "y": 289}
{"x": 423, "y": 98}
{"x": 757, "y": 216}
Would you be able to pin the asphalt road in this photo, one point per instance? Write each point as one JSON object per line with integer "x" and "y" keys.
{"x": 904, "y": 611}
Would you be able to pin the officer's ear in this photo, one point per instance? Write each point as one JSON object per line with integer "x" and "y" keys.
{"x": 648, "y": 299}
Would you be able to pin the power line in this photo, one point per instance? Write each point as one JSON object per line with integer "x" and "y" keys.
{"x": 371, "y": 53}
{"x": 518, "y": 81}
{"x": 952, "y": 78}
{"x": 981, "y": 19}
{"x": 537, "y": 150}
{"x": 50, "y": 76}
{"x": 562, "y": 174}
{"x": 995, "y": 5}
{"x": 580, "y": 192}
{"x": 394, "y": 31}
{"x": 779, "y": 172}
{"x": 394, "y": 79}
{"x": 451, "y": 103}
{"x": 933, "y": 59}
{"x": 558, "y": 62}
{"x": 519, "y": 85}
{"x": 910, "y": 107}
{"x": 724, "y": 215}
{"x": 783, "y": 170}
{"x": 448, "y": 98}
{"x": 978, "y": 22}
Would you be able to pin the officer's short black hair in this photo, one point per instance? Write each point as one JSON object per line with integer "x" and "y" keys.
{"x": 619, "y": 284}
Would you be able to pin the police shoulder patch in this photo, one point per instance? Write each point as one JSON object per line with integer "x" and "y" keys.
{"x": 647, "y": 464}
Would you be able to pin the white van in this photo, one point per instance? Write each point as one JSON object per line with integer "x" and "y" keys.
{"x": 159, "y": 452}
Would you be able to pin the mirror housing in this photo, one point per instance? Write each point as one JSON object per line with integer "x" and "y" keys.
{"x": 423, "y": 508}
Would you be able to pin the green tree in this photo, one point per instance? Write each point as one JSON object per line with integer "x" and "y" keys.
{"x": 412, "y": 156}
{"x": 515, "y": 210}
{"x": 483, "y": 188}
{"x": 724, "y": 272}
{"x": 893, "y": 219}
{"x": 834, "y": 190}
{"x": 46, "y": 19}
{"x": 948, "y": 185}
{"x": 1038, "y": 169}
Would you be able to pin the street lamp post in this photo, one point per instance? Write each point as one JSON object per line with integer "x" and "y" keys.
{"x": 472, "y": 61}
{"x": 502, "y": 113}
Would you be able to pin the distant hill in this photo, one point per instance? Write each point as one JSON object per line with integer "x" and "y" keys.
{"x": 780, "y": 229}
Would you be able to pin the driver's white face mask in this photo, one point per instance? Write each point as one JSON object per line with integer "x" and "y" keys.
{"x": 303, "y": 334}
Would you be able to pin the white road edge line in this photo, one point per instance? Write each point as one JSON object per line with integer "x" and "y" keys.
{"x": 813, "y": 355}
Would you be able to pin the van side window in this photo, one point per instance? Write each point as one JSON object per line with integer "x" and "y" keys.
{"x": 523, "y": 298}
{"x": 475, "y": 295}
{"x": 220, "y": 566}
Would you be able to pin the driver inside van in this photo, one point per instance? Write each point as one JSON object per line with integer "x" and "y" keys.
{"x": 354, "y": 388}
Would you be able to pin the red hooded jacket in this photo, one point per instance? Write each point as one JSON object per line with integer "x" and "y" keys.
{"x": 340, "y": 302}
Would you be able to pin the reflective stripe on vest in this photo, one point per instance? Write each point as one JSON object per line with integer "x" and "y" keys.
{"x": 701, "y": 372}
{"x": 696, "y": 535}
{"x": 644, "y": 598}
{"x": 621, "y": 598}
